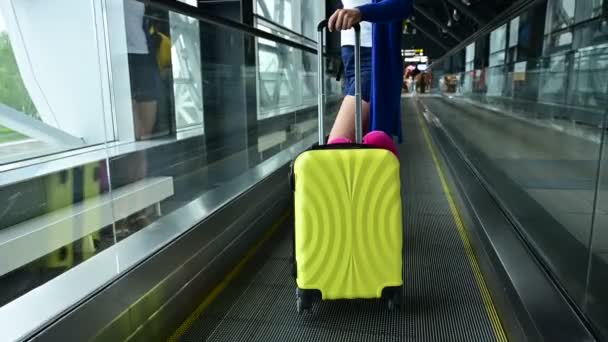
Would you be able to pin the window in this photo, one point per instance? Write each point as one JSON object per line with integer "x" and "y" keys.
{"x": 470, "y": 57}
{"x": 287, "y": 77}
{"x": 559, "y": 41}
{"x": 590, "y": 81}
{"x": 12, "y": 89}
{"x": 289, "y": 14}
{"x": 514, "y": 32}
{"x": 315, "y": 11}
{"x": 278, "y": 11}
{"x": 498, "y": 45}
{"x": 592, "y": 33}
{"x": 561, "y": 14}
{"x": 589, "y": 9}
{"x": 186, "y": 70}
{"x": 44, "y": 108}
{"x": 12, "y": 92}
{"x": 467, "y": 85}
{"x": 554, "y": 79}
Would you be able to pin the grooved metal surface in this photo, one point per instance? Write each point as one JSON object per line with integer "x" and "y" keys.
{"x": 442, "y": 301}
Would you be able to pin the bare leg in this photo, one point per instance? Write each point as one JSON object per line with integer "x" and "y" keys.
{"x": 344, "y": 126}
{"x": 146, "y": 115}
{"x": 136, "y": 120}
{"x": 144, "y": 119}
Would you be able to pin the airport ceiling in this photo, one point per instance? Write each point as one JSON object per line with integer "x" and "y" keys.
{"x": 440, "y": 25}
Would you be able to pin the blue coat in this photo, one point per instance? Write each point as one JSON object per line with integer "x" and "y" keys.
{"x": 387, "y": 64}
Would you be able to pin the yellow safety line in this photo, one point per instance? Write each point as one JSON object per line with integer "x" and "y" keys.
{"x": 226, "y": 281}
{"x": 481, "y": 284}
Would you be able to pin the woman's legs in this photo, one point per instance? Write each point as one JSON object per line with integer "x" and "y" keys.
{"x": 145, "y": 93}
{"x": 146, "y": 116}
{"x": 344, "y": 126}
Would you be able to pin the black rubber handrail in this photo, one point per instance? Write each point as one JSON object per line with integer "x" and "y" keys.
{"x": 194, "y": 12}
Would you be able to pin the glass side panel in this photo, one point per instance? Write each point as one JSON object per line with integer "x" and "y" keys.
{"x": 562, "y": 14}
{"x": 52, "y": 108}
{"x": 535, "y": 129}
{"x": 180, "y": 109}
{"x": 596, "y": 298}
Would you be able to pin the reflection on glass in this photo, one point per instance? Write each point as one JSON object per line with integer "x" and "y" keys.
{"x": 147, "y": 82}
{"x": 25, "y": 132}
{"x": 286, "y": 78}
{"x": 559, "y": 40}
{"x": 514, "y": 32}
{"x": 72, "y": 227}
{"x": 470, "y": 57}
{"x": 554, "y": 79}
{"x": 289, "y": 14}
{"x": 279, "y": 11}
{"x": 592, "y": 34}
{"x": 562, "y": 14}
{"x": 69, "y": 105}
{"x": 495, "y": 81}
{"x": 12, "y": 92}
{"x": 314, "y": 12}
{"x": 187, "y": 77}
{"x": 498, "y": 41}
{"x": 144, "y": 51}
{"x": 591, "y": 77}
{"x": 589, "y": 9}
{"x": 537, "y": 130}
{"x": 51, "y": 223}
{"x": 535, "y": 134}
{"x": 542, "y": 168}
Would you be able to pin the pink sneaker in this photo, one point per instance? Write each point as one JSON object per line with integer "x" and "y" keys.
{"x": 381, "y": 140}
{"x": 339, "y": 140}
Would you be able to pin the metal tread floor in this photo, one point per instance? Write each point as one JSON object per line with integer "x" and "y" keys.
{"x": 442, "y": 297}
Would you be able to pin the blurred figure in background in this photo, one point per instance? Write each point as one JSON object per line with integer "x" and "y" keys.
{"x": 422, "y": 83}
{"x": 143, "y": 71}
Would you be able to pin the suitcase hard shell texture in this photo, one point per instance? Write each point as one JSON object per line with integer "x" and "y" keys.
{"x": 348, "y": 217}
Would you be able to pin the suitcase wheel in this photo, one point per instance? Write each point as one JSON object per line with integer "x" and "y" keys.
{"x": 393, "y": 297}
{"x": 291, "y": 177}
{"x": 305, "y": 299}
{"x": 302, "y": 305}
{"x": 393, "y": 305}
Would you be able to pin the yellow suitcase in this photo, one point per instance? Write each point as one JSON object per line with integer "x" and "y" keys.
{"x": 60, "y": 192}
{"x": 348, "y": 220}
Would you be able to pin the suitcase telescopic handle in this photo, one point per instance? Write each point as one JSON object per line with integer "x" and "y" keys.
{"x": 321, "y": 82}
